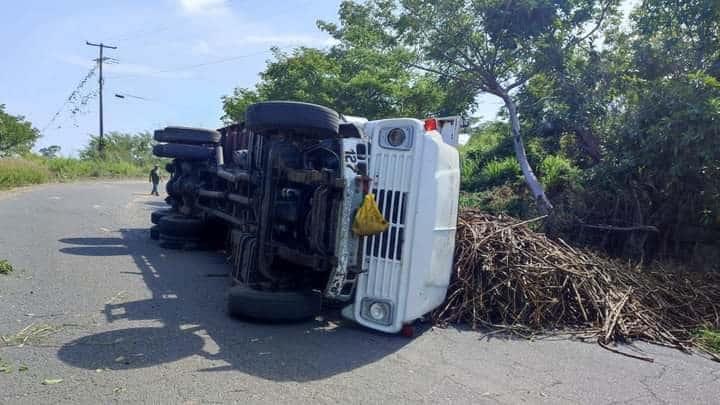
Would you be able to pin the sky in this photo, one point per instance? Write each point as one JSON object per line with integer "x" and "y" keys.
{"x": 160, "y": 45}
{"x": 174, "y": 60}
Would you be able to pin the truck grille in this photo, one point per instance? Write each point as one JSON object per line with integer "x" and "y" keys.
{"x": 388, "y": 245}
{"x": 392, "y": 182}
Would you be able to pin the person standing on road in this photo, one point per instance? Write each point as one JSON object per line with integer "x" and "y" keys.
{"x": 155, "y": 179}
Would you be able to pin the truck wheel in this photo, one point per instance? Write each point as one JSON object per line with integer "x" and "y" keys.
{"x": 154, "y": 232}
{"x": 191, "y": 136}
{"x": 246, "y": 302}
{"x": 179, "y": 243}
{"x": 156, "y": 215}
{"x": 315, "y": 119}
{"x": 180, "y": 151}
{"x": 179, "y": 226}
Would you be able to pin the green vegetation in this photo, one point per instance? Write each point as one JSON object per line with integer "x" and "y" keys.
{"x": 125, "y": 156}
{"x": 20, "y": 172}
{"x": 710, "y": 339}
{"x": 619, "y": 123}
{"x": 624, "y": 135}
{"x": 356, "y": 82}
{"x": 5, "y": 267}
{"x": 17, "y": 136}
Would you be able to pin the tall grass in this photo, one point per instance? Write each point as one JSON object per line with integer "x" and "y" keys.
{"x": 19, "y": 172}
{"x": 500, "y": 171}
{"x": 70, "y": 169}
{"x": 33, "y": 169}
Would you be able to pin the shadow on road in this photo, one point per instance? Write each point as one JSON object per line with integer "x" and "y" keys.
{"x": 159, "y": 204}
{"x": 186, "y": 317}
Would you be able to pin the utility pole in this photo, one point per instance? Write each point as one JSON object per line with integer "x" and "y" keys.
{"x": 100, "y": 86}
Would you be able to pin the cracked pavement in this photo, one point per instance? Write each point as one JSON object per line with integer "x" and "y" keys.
{"x": 142, "y": 324}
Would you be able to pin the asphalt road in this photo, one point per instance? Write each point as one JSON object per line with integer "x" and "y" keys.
{"x": 141, "y": 324}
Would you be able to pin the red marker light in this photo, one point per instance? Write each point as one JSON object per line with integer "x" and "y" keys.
{"x": 431, "y": 124}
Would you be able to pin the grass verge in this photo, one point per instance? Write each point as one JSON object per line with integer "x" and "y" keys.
{"x": 709, "y": 339}
{"x": 16, "y": 172}
{"x": 21, "y": 172}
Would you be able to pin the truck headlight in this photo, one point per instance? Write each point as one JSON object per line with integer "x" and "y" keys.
{"x": 398, "y": 138}
{"x": 377, "y": 311}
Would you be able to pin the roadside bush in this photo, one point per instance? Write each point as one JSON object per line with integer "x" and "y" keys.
{"x": 19, "y": 172}
{"x": 68, "y": 168}
{"x": 558, "y": 172}
{"x": 499, "y": 172}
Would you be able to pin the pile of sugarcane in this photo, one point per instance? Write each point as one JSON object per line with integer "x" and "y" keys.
{"x": 508, "y": 277}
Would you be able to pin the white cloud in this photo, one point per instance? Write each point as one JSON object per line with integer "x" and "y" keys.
{"x": 194, "y": 7}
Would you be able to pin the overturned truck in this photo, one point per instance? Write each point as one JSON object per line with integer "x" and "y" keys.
{"x": 280, "y": 191}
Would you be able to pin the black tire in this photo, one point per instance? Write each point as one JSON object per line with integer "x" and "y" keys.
{"x": 156, "y": 215}
{"x": 191, "y": 136}
{"x": 154, "y": 233}
{"x": 311, "y": 118}
{"x": 246, "y": 302}
{"x": 190, "y": 242}
{"x": 180, "y": 151}
{"x": 179, "y": 226}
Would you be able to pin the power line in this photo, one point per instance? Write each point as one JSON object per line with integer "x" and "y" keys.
{"x": 72, "y": 97}
{"x": 124, "y": 95}
{"x": 189, "y": 67}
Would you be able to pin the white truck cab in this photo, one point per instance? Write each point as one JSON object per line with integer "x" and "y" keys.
{"x": 415, "y": 177}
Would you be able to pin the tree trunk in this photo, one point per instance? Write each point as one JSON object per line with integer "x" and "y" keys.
{"x": 544, "y": 205}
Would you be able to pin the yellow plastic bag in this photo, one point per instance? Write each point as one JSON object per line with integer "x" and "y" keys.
{"x": 368, "y": 219}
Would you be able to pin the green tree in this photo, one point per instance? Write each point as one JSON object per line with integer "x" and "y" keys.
{"x": 649, "y": 97}
{"x": 122, "y": 147}
{"x": 664, "y": 146}
{"x": 492, "y": 46}
{"x": 50, "y": 151}
{"x": 353, "y": 81}
{"x": 17, "y": 136}
{"x": 677, "y": 37}
{"x": 569, "y": 105}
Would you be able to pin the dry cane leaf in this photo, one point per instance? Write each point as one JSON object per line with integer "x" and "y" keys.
{"x": 519, "y": 281}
